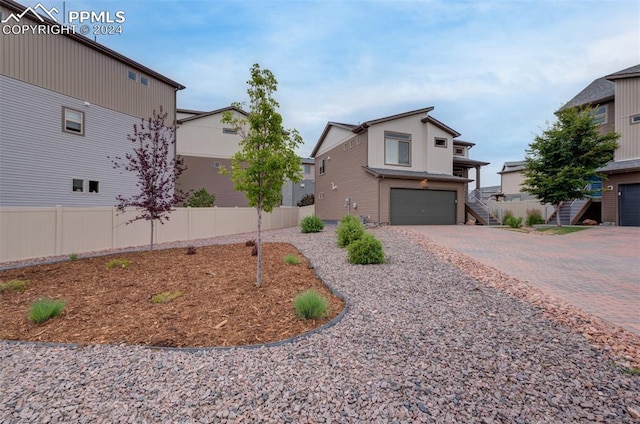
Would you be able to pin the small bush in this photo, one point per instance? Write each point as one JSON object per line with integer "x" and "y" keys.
{"x": 513, "y": 222}
{"x": 191, "y": 250}
{"x": 118, "y": 263}
{"x": 250, "y": 243}
{"x": 534, "y": 217}
{"x": 201, "y": 199}
{"x": 311, "y": 305}
{"x": 43, "y": 309}
{"x": 349, "y": 230}
{"x": 14, "y": 285}
{"x": 165, "y": 297}
{"x": 507, "y": 214}
{"x": 306, "y": 200}
{"x": 73, "y": 256}
{"x": 311, "y": 224}
{"x": 366, "y": 250}
{"x": 292, "y": 259}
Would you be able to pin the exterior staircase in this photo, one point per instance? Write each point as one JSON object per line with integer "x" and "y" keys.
{"x": 570, "y": 212}
{"x": 476, "y": 207}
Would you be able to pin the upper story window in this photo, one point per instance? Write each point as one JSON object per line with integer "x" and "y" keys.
{"x": 397, "y": 148}
{"x": 599, "y": 114}
{"x": 132, "y": 75}
{"x": 306, "y": 169}
{"x": 441, "y": 142}
{"x": 72, "y": 121}
{"x": 635, "y": 119}
{"x": 144, "y": 81}
{"x": 229, "y": 131}
{"x": 458, "y": 151}
{"x": 322, "y": 169}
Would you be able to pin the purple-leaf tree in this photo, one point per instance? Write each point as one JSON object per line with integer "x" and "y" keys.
{"x": 157, "y": 167}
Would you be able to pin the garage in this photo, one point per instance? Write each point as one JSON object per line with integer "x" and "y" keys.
{"x": 422, "y": 207}
{"x": 629, "y": 204}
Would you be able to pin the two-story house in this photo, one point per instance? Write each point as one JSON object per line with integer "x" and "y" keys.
{"x": 402, "y": 169}
{"x": 616, "y": 102}
{"x": 67, "y": 104}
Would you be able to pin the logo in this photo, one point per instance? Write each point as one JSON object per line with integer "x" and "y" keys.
{"x": 51, "y": 21}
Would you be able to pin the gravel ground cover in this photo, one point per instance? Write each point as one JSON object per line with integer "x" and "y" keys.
{"x": 422, "y": 341}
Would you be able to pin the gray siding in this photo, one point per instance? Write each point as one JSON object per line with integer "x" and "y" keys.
{"x": 38, "y": 160}
{"x": 292, "y": 193}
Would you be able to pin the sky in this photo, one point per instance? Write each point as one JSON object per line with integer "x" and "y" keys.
{"x": 495, "y": 71}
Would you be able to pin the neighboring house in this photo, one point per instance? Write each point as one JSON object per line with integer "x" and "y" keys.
{"x": 511, "y": 179}
{"x": 68, "y": 103}
{"x": 402, "y": 169}
{"x": 292, "y": 193}
{"x": 205, "y": 146}
{"x": 616, "y": 102}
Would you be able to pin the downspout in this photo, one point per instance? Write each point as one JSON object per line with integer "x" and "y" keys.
{"x": 380, "y": 178}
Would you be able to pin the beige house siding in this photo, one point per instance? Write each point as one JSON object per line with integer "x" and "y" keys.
{"x": 387, "y": 184}
{"x": 344, "y": 169}
{"x": 335, "y": 137}
{"x": 610, "y": 197}
{"x": 627, "y": 105}
{"x": 205, "y": 137}
{"x": 67, "y": 66}
{"x": 511, "y": 182}
{"x": 201, "y": 173}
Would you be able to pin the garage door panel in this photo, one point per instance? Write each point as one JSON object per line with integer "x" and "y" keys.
{"x": 422, "y": 207}
{"x": 629, "y": 204}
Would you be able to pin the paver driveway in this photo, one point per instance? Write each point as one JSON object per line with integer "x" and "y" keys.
{"x": 596, "y": 270}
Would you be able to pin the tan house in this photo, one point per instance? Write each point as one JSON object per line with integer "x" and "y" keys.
{"x": 403, "y": 169}
{"x": 511, "y": 179}
{"x": 616, "y": 99}
{"x": 67, "y": 105}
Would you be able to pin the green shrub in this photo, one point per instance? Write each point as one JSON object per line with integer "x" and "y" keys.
{"x": 165, "y": 297}
{"x": 201, "y": 199}
{"x": 118, "y": 263}
{"x": 507, "y": 214}
{"x": 311, "y": 224}
{"x": 513, "y": 222}
{"x": 534, "y": 217}
{"x": 292, "y": 259}
{"x": 306, "y": 200}
{"x": 73, "y": 256}
{"x": 45, "y": 308}
{"x": 349, "y": 230}
{"x": 366, "y": 250}
{"x": 15, "y": 285}
{"x": 311, "y": 305}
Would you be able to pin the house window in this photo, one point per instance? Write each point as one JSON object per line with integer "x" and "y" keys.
{"x": 599, "y": 114}
{"x": 77, "y": 185}
{"x": 322, "y": 170}
{"x": 635, "y": 119}
{"x": 216, "y": 164}
{"x": 306, "y": 169}
{"x": 72, "y": 121}
{"x": 358, "y": 140}
{"x": 344, "y": 147}
{"x": 351, "y": 143}
{"x": 94, "y": 186}
{"x": 397, "y": 148}
{"x": 144, "y": 81}
{"x": 132, "y": 75}
{"x": 229, "y": 131}
{"x": 321, "y": 195}
{"x": 458, "y": 151}
{"x": 441, "y": 142}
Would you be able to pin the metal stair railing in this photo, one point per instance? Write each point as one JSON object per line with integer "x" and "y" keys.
{"x": 475, "y": 196}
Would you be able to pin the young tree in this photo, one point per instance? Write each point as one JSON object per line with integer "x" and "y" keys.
{"x": 267, "y": 157}
{"x": 154, "y": 162}
{"x": 560, "y": 162}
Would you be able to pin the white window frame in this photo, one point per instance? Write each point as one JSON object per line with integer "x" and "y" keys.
{"x": 66, "y": 118}
{"x": 443, "y": 142}
{"x": 130, "y": 73}
{"x": 635, "y": 119}
{"x": 396, "y": 138}
{"x": 73, "y": 185}
{"x": 143, "y": 79}
{"x": 321, "y": 169}
{"x": 459, "y": 149}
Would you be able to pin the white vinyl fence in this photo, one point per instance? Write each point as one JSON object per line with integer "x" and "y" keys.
{"x": 30, "y": 232}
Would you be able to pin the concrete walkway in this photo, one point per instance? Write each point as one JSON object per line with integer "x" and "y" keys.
{"x": 596, "y": 270}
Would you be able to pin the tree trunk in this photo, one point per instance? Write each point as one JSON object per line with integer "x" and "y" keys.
{"x": 152, "y": 234}
{"x": 259, "y": 273}
{"x": 558, "y": 214}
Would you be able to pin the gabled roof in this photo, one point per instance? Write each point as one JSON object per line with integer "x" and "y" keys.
{"x": 512, "y": 167}
{"x": 463, "y": 143}
{"x": 307, "y": 161}
{"x": 213, "y": 112}
{"x": 413, "y": 175}
{"x": 357, "y": 129}
{"x": 18, "y": 8}
{"x": 631, "y": 72}
{"x": 190, "y": 111}
{"x": 440, "y": 125}
{"x": 599, "y": 91}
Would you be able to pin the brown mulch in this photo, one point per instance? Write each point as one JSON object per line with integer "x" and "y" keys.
{"x": 220, "y": 305}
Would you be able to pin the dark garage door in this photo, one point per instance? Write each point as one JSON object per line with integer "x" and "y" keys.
{"x": 422, "y": 207}
{"x": 629, "y": 204}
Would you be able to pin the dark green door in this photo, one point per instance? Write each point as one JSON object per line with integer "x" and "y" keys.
{"x": 422, "y": 207}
